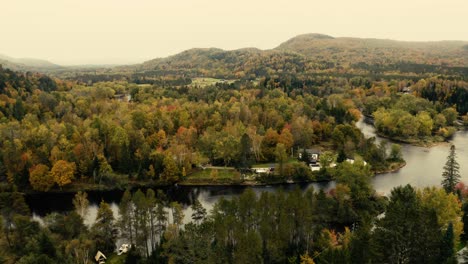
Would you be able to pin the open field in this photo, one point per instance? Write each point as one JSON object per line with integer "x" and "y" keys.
{"x": 202, "y": 81}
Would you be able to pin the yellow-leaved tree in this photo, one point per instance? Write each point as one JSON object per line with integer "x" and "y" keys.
{"x": 40, "y": 178}
{"x": 446, "y": 205}
{"x": 63, "y": 172}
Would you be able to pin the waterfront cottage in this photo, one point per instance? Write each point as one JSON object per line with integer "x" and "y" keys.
{"x": 310, "y": 156}
{"x": 100, "y": 257}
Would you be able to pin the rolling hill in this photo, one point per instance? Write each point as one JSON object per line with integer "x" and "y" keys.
{"x": 27, "y": 64}
{"x": 301, "y": 55}
{"x": 314, "y": 53}
{"x": 377, "y": 51}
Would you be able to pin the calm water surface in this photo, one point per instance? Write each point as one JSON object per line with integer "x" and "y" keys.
{"x": 423, "y": 165}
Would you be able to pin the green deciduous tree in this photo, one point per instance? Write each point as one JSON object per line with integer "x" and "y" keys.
{"x": 171, "y": 172}
{"x": 446, "y": 206}
{"x": 395, "y": 153}
{"x": 281, "y": 157}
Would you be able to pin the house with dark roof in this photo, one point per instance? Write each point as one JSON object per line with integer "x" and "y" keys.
{"x": 310, "y": 155}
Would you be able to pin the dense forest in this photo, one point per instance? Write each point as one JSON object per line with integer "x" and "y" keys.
{"x": 110, "y": 133}
{"x": 211, "y": 117}
{"x": 349, "y": 224}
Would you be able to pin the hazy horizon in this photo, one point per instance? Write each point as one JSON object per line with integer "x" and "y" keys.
{"x": 70, "y": 32}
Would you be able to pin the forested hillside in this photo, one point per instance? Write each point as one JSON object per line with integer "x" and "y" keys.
{"x": 26, "y": 64}
{"x": 352, "y": 51}
{"x": 305, "y": 55}
{"x": 113, "y": 133}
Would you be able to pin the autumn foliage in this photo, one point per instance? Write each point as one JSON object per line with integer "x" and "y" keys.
{"x": 63, "y": 172}
{"x": 40, "y": 178}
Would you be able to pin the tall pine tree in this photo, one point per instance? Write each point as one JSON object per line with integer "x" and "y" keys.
{"x": 447, "y": 252}
{"x": 451, "y": 174}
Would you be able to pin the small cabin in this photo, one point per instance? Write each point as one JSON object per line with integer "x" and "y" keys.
{"x": 352, "y": 161}
{"x": 314, "y": 167}
{"x": 100, "y": 258}
{"x": 406, "y": 90}
{"x": 264, "y": 170}
{"x": 123, "y": 249}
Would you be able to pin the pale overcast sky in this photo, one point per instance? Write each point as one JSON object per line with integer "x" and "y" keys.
{"x": 130, "y": 31}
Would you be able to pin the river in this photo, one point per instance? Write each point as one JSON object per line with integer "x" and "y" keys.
{"x": 424, "y": 168}
{"x": 424, "y": 165}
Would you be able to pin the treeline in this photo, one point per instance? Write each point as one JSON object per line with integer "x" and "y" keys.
{"x": 407, "y": 67}
{"x": 349, "y": 224}
{"x": 449, "y": 93}
{"x": 309, "y": 228}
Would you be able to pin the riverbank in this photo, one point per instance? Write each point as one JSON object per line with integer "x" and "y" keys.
{"x": 393, "y": 167}
{"x": 426, "y": 142}
{"x": 223, "y": 180}
{"x": 124, "y": 183}
{"x": 93, "y": 187}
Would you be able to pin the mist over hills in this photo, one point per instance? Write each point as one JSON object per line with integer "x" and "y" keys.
{"x": 300, "y": 54}
{"x": 342, "y": 50}
{"x": 27, "y": 64}
{"x": 314, "y": 53}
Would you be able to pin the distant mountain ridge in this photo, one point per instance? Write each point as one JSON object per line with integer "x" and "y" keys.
{"x": 347, "y": 50}
{"x": 221, "y": 64}
{"x": 314, "y": 53}
{"x": 303, "y": 54}
{"x": 26, "y": 64}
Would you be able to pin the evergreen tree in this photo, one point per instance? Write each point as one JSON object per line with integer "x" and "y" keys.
{"x": 305, "y": 156}
{"x": 126, "y": 221}
{"x": 46, "y": 246}
{"x": 18, "y": 110}
{"x": 199, "y": 212}
{"x": 464, "y": 236}
{"x": 341, "y": 156}
{"x": 409, "y": 232}
{"x": 133, "y": 257}
{"x": 360, "y": 246}
{"x": 447, "y": 253}
{"x": 142, "y": 229}
{"x": 104, "y": 231}
{"x": 451, "y": 174}
{"x": 245, "y": 153}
